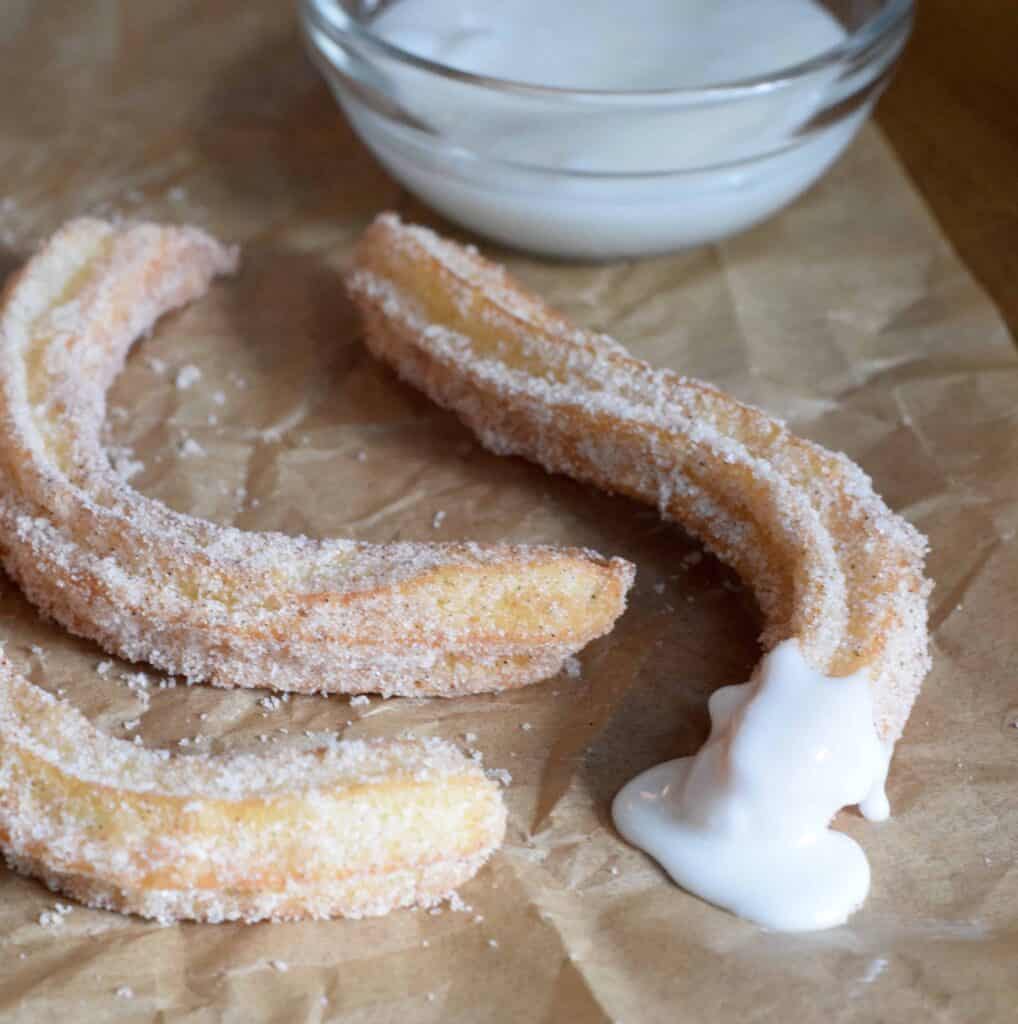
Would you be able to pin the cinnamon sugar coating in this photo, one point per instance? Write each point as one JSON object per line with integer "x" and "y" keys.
{"x": 217, "y": 604}
{"x": 829, "y": 563}
{"x": 349, "y": 828}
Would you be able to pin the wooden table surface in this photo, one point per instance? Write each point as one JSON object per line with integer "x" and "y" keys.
{"x": 952, "y": 116}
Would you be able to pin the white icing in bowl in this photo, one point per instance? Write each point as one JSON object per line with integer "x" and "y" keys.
{"x": 599, "y": 130}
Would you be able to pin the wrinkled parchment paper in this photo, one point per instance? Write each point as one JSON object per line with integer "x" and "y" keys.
{"x": 848, "y": 314}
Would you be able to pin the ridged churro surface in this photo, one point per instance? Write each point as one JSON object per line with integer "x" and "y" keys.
{"x": 349, "y": 828}
{"x": 217, "y": 604}
{"x": 829, "y": 563}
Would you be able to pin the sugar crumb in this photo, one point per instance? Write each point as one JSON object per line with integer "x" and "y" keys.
{"x": 187, "y": 376}
{"x": 54, "y": 917}
{"x": 189, "y": 448}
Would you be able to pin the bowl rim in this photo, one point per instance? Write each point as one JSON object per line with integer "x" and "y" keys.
{"x": 330, "y": 17}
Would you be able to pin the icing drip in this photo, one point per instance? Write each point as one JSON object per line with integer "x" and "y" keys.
{"x": 744, "y": 822}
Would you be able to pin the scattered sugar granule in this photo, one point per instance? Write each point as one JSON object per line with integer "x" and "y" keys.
{"x": 359, "y": 701}
{"x": 155, "y": 364}
{"x": 187, "y": 376}
{"x": 219, "y": 397}
{"x": 478, "y": 918}
{"x": 457, "y": 904}
{"x": 125, "y": 992}
{"x": 613, "y": 870}
{"x": 493, "y": 943}
{"x": 470, "y": 737}
{"x": 271, "y": 703}
{"x": 526, "y": 727}
{"x": 439, "y": 516}
{"x": 499, "y": 775}
{"x": 103, "y": 667}
{"x": 177, "y": 194}
{"x": 279, "y": 965}
{"x": 431, "y": 997}
{"x": 361, "y": 456}
{"x": 55, "y": 916}
{"x": 138, "y": 684}
{"x": 38, "y": 652}
{"x": 874, "y": 969}
{"x": 124, "y": 464}
{"x": 132, "y": 723}
{"x": 189, "y": 447}
{"x": 573, "y": 667}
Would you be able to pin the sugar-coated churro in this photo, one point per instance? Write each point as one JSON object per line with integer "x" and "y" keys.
{"x": 838, "y": 576}
{"x": 214, "y": 603}
{"x": 348, "y": 828}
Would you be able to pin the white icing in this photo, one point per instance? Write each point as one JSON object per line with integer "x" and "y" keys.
{"x": 601, "y": 179}
{"x": 744, "y": 822}
{"x": 652, "y": 44}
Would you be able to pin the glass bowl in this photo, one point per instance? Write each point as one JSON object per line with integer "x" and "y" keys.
{"x": 598, "y": 174}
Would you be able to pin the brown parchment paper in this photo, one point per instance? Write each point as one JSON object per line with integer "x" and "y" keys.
{"x": 848, "y": 314}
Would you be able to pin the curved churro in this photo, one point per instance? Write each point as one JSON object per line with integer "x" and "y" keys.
{"x": 348, "y": 828}
{"x": 838, "y": 576}
{"x": 829, "y": 563}
{"x": 214, "y": 603}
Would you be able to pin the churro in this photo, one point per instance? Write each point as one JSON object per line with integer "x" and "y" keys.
{"x": 349, "y": 828}
{"x": 217, "y": 604}
{"x": 837, "y": 575}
